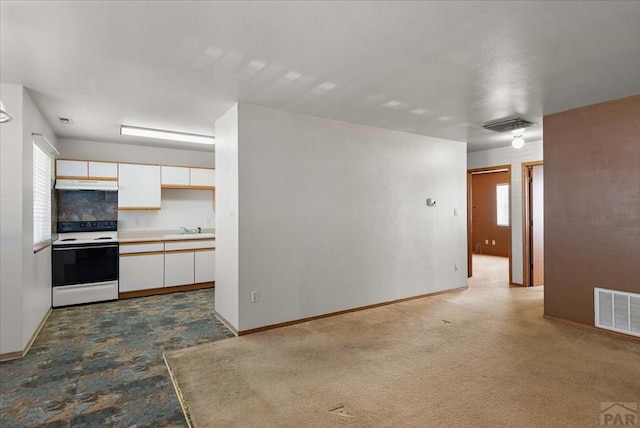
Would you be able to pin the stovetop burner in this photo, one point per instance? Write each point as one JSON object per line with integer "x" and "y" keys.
{"x": 76, "y": 233}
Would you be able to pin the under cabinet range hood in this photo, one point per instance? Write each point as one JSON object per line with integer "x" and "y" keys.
{"x": 106, "y": 185}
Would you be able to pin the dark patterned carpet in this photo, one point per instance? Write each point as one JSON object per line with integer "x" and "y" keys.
{"x": 101, "y": 365}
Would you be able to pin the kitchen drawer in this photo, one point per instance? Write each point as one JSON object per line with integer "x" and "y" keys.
{"x": 141, "y": 248}
{"x": 189, "y": 244}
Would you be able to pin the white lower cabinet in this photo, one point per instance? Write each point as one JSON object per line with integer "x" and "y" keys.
{"x": 205, "y": 266}
{"x": 178, "y": 268}
{"x": 141, "y": 272}
{"x": 153, "y": 265}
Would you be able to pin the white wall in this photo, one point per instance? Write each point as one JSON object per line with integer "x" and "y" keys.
{"x": 180, "y": 208}
{"x": 36, "y": 267}
{"x": 11, "y": 209}
{"x": 332, "y": 215}
{"x": 227, "y": 273}
{"x": 504, "y": 156}
{"x": 25, "y": 277}
{"x": 92, "y": 150}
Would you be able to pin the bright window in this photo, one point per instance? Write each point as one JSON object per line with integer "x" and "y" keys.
{"x": 41, "y": 197}
{"x": 502, "y": 204}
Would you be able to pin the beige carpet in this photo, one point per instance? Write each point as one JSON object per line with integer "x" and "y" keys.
{"x": 484, "y": 357}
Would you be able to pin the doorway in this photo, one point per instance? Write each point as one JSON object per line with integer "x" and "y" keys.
{"x": 489, "y": 214}
{"x": 533, "y": 223}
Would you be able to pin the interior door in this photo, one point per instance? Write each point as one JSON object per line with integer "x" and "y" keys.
{"x": 537, "y": 224}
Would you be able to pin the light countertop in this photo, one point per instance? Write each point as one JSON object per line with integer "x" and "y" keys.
{"x": 162, "y": 235}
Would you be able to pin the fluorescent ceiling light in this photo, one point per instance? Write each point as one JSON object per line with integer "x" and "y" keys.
{"x": 166, "y": 135}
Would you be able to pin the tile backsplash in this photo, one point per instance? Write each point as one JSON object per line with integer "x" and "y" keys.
{"x": 82, "y": 205}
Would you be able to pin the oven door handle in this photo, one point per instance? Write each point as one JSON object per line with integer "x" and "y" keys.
{"x": 83, "y": 248}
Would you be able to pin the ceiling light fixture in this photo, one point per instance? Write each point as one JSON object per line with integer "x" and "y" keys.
{"x": 166, "y": 135}
{"x": 4, "y": 116}
{"x": 518, "y": 141}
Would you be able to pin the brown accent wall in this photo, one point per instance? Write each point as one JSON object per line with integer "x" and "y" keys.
{"x": 483, "y": 215}
{"x": 592, "y": 205}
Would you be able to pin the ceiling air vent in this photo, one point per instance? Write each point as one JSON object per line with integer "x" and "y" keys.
{"x": 65, "y": 121}
{"x": 507, "y": 124}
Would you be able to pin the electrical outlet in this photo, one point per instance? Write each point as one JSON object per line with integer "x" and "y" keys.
{"x": 486, "y": 241}
{"x": 493, "y": 242}
{"x": 255, "y": 297}
{"x": 455, "y": 266}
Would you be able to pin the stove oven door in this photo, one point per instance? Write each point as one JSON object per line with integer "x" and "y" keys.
{"x": 84, "y": 264}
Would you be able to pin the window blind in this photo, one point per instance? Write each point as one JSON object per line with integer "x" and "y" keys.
{"x": 41, "y": 196}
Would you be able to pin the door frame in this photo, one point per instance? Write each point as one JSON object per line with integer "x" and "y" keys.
{"x": 526, "y": 219}
{"x": 488, "y": 169}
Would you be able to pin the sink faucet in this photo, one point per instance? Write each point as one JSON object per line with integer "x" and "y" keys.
{"x": 185, "y": 230}
{"x": 199, "y": 230}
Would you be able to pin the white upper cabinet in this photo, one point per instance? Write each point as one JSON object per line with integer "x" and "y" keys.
{"x": 86, "y": 169}
{"x": 203, "y": 177}
{"x": 72, "y": 168}
{"x": 103, "y": 170}
{"x": 138, "y": 187}
{"x": 175, "y": 176}
{"x": 185, "y": 178}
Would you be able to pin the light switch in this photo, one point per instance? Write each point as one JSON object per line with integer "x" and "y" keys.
{"x": 486, "y": 241}
{"x": 493, "y": 242}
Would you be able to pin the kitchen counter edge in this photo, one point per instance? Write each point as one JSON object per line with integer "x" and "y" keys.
{"x": 125, "y": 238}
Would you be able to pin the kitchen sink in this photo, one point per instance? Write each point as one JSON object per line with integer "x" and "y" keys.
{"x": 190, "y": 235}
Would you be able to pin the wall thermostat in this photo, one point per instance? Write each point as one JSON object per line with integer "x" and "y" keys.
{"x": 431, "y": 202}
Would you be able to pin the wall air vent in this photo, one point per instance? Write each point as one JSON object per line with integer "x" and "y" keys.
{"x": 65, "y": 120}
{"x": 507, "y": 124}
{"x": 617, "y": 311}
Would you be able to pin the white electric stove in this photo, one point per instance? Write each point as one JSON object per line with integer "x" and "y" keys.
{"x": 85, "y": 262}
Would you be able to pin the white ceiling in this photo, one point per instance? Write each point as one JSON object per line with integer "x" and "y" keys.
{"x": 441, "y": 68}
